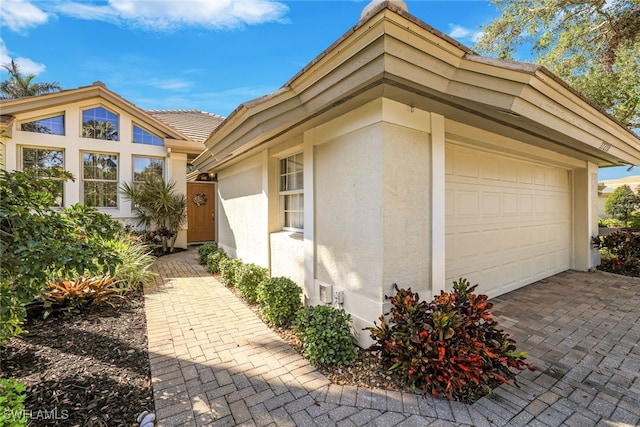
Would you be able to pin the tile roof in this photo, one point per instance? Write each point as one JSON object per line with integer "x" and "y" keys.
{"x": 195, "y": 124}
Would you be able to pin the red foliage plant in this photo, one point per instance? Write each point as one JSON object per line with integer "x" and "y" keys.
{"x": 449, "y": 346}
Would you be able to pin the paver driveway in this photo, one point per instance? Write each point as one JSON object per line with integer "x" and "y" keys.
{"x": 213, "y": 362}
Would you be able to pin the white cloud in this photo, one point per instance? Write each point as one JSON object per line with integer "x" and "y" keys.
{"x": 170, "y": 84}
{"x": 26, "y": 65}
{"x": 162, "y": 15}
{"x": 459, "y": 32}
{"x": 20, "y": 14}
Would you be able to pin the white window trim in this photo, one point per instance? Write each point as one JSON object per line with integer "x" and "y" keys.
{"x": 135, "y": 124}
{"x": 91, "y": 107}
{"x": 83, "y": 179}
{"x": 282, "y": 194}
{"x": 34, "y": 147}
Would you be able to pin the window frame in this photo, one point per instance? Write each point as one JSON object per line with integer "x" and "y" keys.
{"x": 139, "y": 156}
{"x": 82, "y": 122}
{"x": 47, "y": 117}
{"x": 41, "y": 148}
{"x": 145, "y": 130}
{"x": 284, "y": 194}
{"x": 85, "y": 180}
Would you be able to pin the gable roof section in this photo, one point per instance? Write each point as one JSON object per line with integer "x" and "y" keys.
{"x": 96, "y": 90}
{"x": 195, "y": 124}
{"x": 393, "y": 54}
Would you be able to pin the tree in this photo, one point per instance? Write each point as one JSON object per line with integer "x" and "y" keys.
{"x": 158, "y": 205}
{"x": 40, "y": 243}
{"x": 19, "y": 85}
{"x": 98, "y": 129}
{"x": 622, "y": 203}
{"x": 594, "y": 45}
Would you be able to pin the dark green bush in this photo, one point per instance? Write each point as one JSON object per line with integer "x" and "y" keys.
{"x": 325, "y": 333}
{"x": 279, "y": 299}
{"x": 205, "y": 250}
{"x": 248, "y": 277}
{"x": 12, "y": 396}
{"x": 213, "y": 261}
{"x": 620, "y": 252}
{"x": 228, "y": 270}
{"x": 41, "y": 243}
{"x": 449, "y": 346}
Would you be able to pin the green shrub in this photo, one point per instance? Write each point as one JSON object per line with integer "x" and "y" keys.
{"x": 325, "y": 333}
{"x": 205, "y": 250}
{"x": 620, "y": 252}
{"x": 12, "y": 396}
{"x": 228, "y": 270}
{"x": 135, "y": 261}
{"x": 41, "y": 243}
{"x": 449, "y": 346}
{"x": 248, "y": 277}
{"x": 213, "y": 261}
{"x": 279, "y": 299}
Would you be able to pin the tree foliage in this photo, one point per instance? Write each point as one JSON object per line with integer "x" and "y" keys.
{"x": 158, "y": 205}
{"x": 594, "y": 45}
{"x": 622, "y": 203}
{"x": 40, "y": 244}
{"x": 19, "y": 85}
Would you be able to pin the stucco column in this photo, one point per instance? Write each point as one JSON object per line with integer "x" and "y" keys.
{"x": 437, "y": 204}
{"x": 585, "y": 216}
{"x": 309, "y": 226}
{"x": 177, "y": 172}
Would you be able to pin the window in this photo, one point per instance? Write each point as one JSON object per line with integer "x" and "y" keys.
{"x": 141, "y": 136}
{"x": 100, "y": 123}
{"x": 292, "y": 192}
{"x": 43, "y": 160}
{"x": 100, "y": 179}
{"x": 51, "y": 125}
{"x": 147, "y": 167}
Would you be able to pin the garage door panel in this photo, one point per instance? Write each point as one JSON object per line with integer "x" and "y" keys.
{"x": 507, "y": 219}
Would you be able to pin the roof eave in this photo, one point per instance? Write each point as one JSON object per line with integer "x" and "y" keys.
{"x": 520, "y": 96}
{"x": 32, "y": 103}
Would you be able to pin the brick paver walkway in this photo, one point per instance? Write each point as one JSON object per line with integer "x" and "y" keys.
{"x": 213, "y": 362}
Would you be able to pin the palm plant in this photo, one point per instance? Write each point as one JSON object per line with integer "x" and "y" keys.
{"x": 98, "y": 129}
{"x": 18, "y": 85}
{"x": 156, "y": 204}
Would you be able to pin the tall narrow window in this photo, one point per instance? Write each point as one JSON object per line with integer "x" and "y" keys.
{"x": 50, "y": 125}
{"x": 100, "y": 179}
{"x": 292, "y": 192}
{"x": 43, "y": 160}
{"x": 100, "y": 123}
{"x": 141, "y": 136}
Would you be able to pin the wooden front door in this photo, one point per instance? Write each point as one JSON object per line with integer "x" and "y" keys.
{"x": 201, "y": 202}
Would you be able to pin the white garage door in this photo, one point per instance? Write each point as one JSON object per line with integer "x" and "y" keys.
{"x": 507, "y": 219}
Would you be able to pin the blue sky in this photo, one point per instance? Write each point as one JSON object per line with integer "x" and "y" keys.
{"x": 208, "y": 55}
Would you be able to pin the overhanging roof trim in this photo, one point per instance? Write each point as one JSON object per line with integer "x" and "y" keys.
{"x": 526, "y": 75}
{"x": 97, "y": 90}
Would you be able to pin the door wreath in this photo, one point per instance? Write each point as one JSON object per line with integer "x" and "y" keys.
{"x": 200, "y": 199}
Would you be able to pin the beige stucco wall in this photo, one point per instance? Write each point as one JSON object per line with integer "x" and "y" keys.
{"x": 73, "y": 145}
{"x": 287, "y": 255}
{"x": 371, "y": 208}
{"x": 349, "y": 212}
{"x": 242, "y": 211}
{"x": 177, "y": 172}
{"x": 406, "y": 208}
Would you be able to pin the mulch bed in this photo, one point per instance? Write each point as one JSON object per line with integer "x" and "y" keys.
{"x": 89, "y": 369}
{"x": 367, "y": 370}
